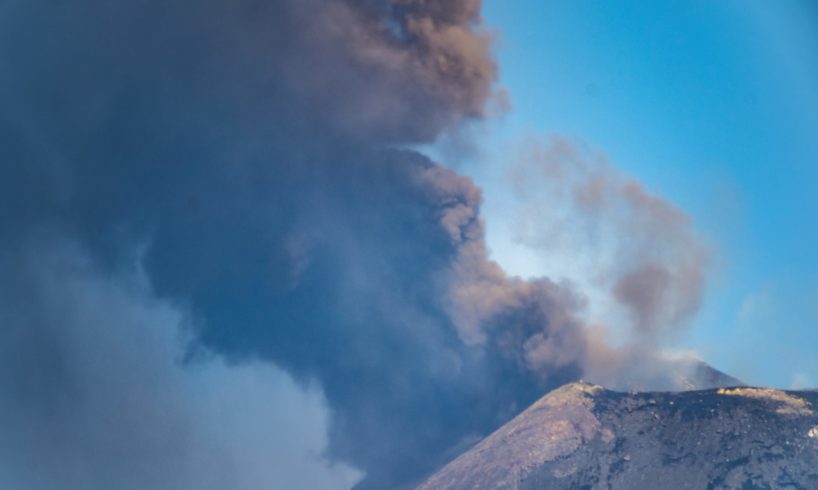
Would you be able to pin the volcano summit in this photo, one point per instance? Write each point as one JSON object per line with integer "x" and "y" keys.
{"x": 582, "y": 436}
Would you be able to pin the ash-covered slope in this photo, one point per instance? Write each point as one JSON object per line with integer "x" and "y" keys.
{"x": 582, "y": 436}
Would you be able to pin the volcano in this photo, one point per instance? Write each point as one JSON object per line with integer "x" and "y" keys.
{"x": 583, "y": 436}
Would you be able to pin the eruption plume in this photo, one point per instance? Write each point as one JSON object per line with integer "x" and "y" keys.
{"x": 242, "y": 160}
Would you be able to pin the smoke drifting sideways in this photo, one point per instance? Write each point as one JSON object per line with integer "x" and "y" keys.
{"x": 636, "y": 256}
{"x": 244, "y": 155}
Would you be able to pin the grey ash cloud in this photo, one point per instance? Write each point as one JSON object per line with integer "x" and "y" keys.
{"x": 93, "y": 393}
{"x": 246, "y": 153}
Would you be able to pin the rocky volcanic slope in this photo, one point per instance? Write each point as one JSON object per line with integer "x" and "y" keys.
{"x": 582, "y": 436}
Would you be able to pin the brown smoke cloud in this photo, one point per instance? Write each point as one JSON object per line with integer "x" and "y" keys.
{"x": 245, "y": 152}
{"x": 636, "y": 256}
{"x": 647, "y": 255}
{"x": 399, "y": 70}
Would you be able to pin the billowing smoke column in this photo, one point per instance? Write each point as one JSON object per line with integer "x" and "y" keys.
{"x": 245, "y": 155}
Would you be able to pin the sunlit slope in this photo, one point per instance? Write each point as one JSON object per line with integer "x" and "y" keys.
{"x": 583, "y": 436}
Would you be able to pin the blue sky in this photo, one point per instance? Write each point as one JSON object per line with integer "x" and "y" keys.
{"x": 712, "y": 105}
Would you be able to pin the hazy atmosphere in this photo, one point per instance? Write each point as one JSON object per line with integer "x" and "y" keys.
{"x": 332, "y": 244}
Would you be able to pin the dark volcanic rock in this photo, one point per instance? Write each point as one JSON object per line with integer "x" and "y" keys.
{"x": 582, "y": 436}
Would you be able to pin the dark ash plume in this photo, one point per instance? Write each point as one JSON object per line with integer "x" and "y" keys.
{"x": 241, "y": 148}
{"x": 245, "y": 151}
